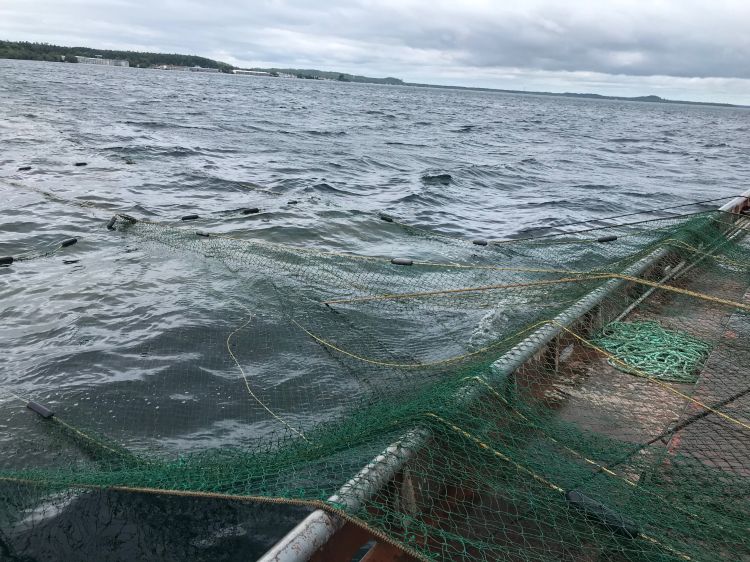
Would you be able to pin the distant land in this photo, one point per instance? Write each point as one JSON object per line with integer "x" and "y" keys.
{"x": 329, "y": 75}
{"x": 54, "y": 53}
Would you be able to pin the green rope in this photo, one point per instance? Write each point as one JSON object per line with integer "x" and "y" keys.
{"x": 649, "y": 348}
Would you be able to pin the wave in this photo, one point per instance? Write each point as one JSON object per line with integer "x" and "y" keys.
{"x": 627, "y": 140}
{"x": 145, "y": 150}
{"x": 432, "y": 199}
{"x": 324, "y": 187}
{"x": 164, "y": 125}
{"x": 317, "y": 133}
{"x": 397, "y": 143}
{"x": 437, "y": 179}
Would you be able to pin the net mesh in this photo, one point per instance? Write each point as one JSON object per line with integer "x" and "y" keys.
{"x": 482, "y": 387}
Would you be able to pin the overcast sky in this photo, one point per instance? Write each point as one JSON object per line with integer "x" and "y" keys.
{"x": 687, "y": 49}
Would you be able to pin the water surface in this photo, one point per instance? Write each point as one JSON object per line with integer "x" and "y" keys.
{"x": 128, "y": 337}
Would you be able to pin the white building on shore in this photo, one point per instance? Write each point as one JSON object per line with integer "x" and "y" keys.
{"x": 98, "y": 59}
{"x": 175, "y": 67}
{"x": 251, "y": 72}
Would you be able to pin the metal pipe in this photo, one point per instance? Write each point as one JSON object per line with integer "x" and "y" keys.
{"x": 525, "y": 350}
{"x": 318, "y": 527}
{"x": 315, "y": 530}
{"x": 678, "y": 271}
{"x": 671, "y": 275}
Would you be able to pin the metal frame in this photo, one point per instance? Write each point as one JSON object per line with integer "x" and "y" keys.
{"x": 738, "y": 204}
{"x": 316, "y": 529}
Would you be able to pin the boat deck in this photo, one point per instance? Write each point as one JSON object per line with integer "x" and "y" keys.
{"x": 636, "y": 409}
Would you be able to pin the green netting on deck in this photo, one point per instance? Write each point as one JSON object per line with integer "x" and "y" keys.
{"x": 649, "y": 348}
{"x": 489, "y": 383}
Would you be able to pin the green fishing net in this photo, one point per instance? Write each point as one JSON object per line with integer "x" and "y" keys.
{"x": 503, "y": 408}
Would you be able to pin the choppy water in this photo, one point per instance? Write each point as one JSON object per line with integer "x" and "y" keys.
{"x": 104, "y": 328}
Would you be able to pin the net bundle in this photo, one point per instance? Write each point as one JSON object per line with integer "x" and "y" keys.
{"x": 483, "y": 387}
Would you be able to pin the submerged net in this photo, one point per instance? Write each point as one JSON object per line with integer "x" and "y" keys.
{"x": 482, "y": 383}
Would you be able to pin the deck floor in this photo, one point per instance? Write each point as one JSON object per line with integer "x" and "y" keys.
{"x": 601, "y": 398}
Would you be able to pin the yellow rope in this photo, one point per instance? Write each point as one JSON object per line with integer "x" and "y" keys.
{"x": 448, "y": 361}
{"x": 603, "y": 469}
{"x": 685, "y": 246}
{"x": 593, "y": 277}
{"x": 291, "y": 248}
{"x": 384, "y": 260}
{"x": 733, "y": 224}
{"x": 644, "y": 375}
{"x": 549, "y": 437}
{"x": 457, "y": 358}
{"x": 539, "y": 478}
{"x": 499, "y": 268}
{"x": 401, "y": 296}
{"x": 673, "y": 289}
{"x": 664, "y": 546}
{"x": 497, "y": 453}
{"x": 314, "y": 504}
{"x": 247, "y": 383}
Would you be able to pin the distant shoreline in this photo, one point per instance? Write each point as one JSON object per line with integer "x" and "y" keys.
{"x": 23, "y": 50}
{"x": 641, "y": 99}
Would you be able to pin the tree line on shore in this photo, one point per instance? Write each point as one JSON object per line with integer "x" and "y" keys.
{"x": 26, "y": 50}
{"x": 54, "y": 53}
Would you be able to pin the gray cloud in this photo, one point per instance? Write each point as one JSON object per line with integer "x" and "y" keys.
{"x": 575, "y": 42}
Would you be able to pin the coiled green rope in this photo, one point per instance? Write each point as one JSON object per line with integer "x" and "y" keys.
{"x": 646, "y": 346}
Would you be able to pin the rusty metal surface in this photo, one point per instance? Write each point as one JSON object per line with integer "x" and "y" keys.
{"x": 386, "y": 553}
